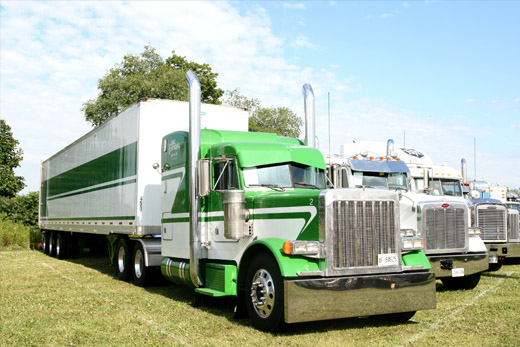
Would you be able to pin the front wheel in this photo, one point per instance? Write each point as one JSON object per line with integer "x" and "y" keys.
{"x": 264, "y": 300}
{"x": 457, "y": 283}
{"x": 496, "y": 266}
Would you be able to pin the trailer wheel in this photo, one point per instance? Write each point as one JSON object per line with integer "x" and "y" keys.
{"x": 140, "y": 271}
{"x": 496, "y": 266}
{"x": 457, "y": 283}
{"x": 46, "y": 239}
{"x": 52, "y": 244}
{"x": 265, "y": 297}
{"x": 61, "y": 246}
{"x": 123, "y": 260}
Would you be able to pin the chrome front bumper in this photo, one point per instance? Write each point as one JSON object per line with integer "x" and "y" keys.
{"x": 357, "y": 296}
{"x": 514, "y": 250}
{"x": 472, "y": 263}
{"x": 498, "y": 249}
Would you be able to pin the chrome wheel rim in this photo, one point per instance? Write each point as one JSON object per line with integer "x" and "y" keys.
{"x": 58, "y": 246}
{"x": 121, "y": 260}
{"x": 263, "y": 293}
{"x": 138, "y": 263}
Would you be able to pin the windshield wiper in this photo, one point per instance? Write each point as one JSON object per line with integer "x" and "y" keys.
{"x": 272, "y": 186}
{"x": 305, "y": 184}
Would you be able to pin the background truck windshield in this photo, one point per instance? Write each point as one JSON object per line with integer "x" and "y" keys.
{"x": 284, "y": 176}
{"x": 383, "y": 180}
{"x": 441, "y": 187}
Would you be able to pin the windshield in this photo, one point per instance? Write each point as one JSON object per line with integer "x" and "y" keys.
{"x": 383, "y": 180}
{"x": 284, "y": 176}
{"x": 442, "y": 187}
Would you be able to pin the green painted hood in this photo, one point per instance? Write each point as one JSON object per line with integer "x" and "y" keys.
{"x": 255, "y": 149}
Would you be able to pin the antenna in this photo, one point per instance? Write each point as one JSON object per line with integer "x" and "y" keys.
{"x": 328, "y": 106}
{"x": 404, "y": 138}
{"x": 475, "y": 157}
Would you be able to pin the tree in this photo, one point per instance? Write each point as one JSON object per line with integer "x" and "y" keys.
{"x": 279, "y": 120}
{"x": 10, "y": 158}
{"x": 147, "y": 76}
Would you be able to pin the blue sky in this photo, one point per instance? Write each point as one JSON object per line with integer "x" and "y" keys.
{"x": 444, "y": 72}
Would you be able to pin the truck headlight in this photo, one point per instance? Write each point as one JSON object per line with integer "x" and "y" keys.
{"x": 410, "y": 233}
{"x": 295, "y": 247}
{"x": 412, "y": 243}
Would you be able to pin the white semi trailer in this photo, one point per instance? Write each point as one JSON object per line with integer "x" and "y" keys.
{"x": 432, "y": 210}
{"x": 232, "y": 213}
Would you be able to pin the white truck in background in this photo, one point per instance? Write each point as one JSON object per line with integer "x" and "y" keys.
{"x": 433, "y": 210}
{"x": 498, "y": 223}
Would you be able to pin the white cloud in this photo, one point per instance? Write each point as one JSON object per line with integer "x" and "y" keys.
{"x": 301, "y": 42}
{"x": 470, "y": 100}
{"x": 294, "y": 6}
{"x": 517, "y": 100}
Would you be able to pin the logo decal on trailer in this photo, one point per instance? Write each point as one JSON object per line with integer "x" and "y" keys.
{"x": 412, "y": 152}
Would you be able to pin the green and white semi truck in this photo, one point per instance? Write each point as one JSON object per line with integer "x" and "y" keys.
{"x": 236, "y": 214}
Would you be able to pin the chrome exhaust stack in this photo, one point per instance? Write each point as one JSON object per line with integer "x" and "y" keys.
{"x": 310, "y": 128}
{"x": 464, "y": 170}
{"x": 390, "y": 148}
{"x": 194, "y": 155}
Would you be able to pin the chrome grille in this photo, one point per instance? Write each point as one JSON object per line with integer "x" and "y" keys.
{"x": 512, "y": 226}
{"x": 492, "y": 222}
{"x": 361, "y": 231}
{"x": 445, "y": 228}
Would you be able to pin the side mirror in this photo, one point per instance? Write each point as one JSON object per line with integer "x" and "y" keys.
{"x": 203, "y": 176}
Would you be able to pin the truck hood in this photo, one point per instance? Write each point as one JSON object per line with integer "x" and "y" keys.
{"x": 292, "y": 204}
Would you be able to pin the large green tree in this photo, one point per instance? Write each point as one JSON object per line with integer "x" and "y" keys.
{"x": 279, "y": 120}
{"x": 10, "y": 158}
{"x": 148, "y": 76}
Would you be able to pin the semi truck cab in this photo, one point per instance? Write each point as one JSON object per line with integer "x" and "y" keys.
{"x": 432, "y": 210}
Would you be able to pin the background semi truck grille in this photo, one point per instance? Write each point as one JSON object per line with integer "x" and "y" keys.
{"x": 492, "y": 223}
{"x": 445, "y": 228}
{"x": 362, "y": 230}
{"x": 512, "y": 226}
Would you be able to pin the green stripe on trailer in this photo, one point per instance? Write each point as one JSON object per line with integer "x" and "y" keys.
{"x": 118, "y": 184}
{"x": 89, "y": 218}
{"x": 118, "y": 164}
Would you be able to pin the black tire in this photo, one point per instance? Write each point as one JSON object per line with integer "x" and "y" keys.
{"x": 139, "y": 270}
{"x": 458, "y": 283}
{"x": 124, "y": 260}
{"x": 61, "y": 246}
{"x": 52, "y": 243}
{"x": 264, "y": 293}
{"x": 496, "y": 266}
{"x": 397, "y": 318}
{"x": 46, "y": 239}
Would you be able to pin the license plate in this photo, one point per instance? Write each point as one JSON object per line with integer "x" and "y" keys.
{"x": 387, "y": 259}
{"x": 493, "y": 259}
{"x": 459, "y": 272}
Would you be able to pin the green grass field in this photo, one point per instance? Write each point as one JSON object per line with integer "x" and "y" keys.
{"x": 50, "y": 302}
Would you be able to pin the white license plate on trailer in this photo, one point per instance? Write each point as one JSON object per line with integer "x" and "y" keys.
{"x": 493, "y": 259}
{"x": 387, "y": 259}
{"x": 458, "y": 272}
